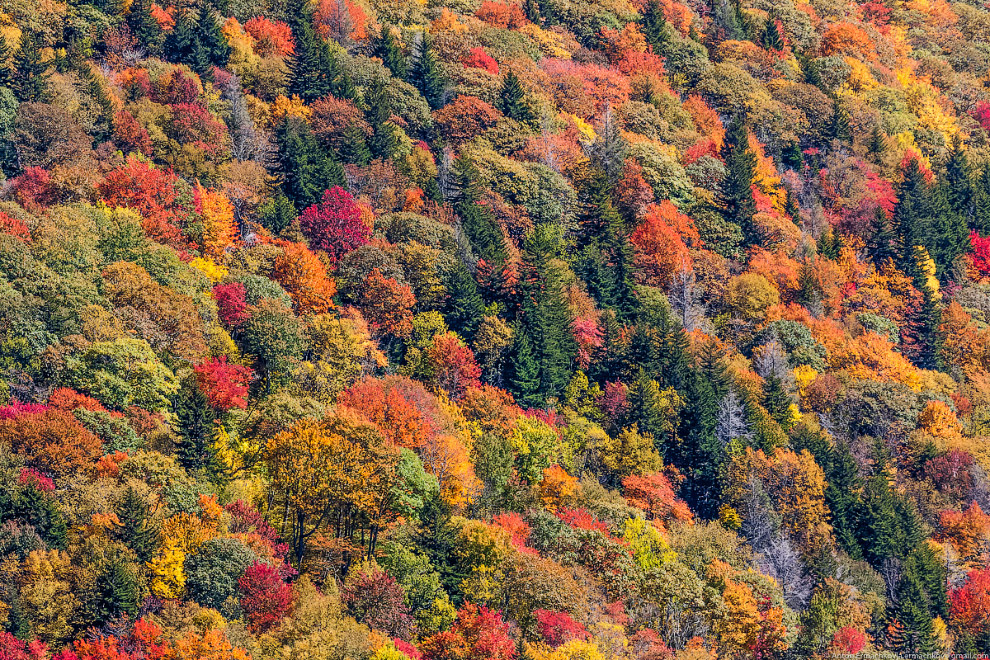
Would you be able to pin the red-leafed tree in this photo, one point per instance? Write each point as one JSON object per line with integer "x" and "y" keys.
{"x": 271, "y": 38}
{"x": 477, "y": 58}
{"x": 558, "y": 628}
{"x": 265, "y": 597}
{"x": 334, "y": 225}
{"x": 478, "y": 634}
{"x": 225, "y": 384}
{"x": 376, "y": 599}
{"x": 14, "y": 227}
{"x": 969, "y": 604}
{"x": 654, "y": 494}
{"x": 152, "y": 193}
{"x": 452, "y": 365}
{"x": 981, "y": 252}
{"x": 231, "y": 303}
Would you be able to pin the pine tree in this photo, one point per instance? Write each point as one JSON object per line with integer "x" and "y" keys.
{"x": 653, "y": 24}
{"x": 947, "y": 235}
{"x": 777, "y": 401}
{"x": 524, "y": 372}
{"x": 930, "y": 338}
{"x": 210, "y": 34}
{"x": 910, "y": 216}
{"x": 277, "y": 214}
{"x": 354, "y": 149}
{"x": 143, "y": 25}
{"x": 183, "y": 44}
{"x": 305, "y": 170}
{"x": 957, "y": 181}
{"x": 771, "y": 39}
{"x": 117, "y": 591}
{"x": 6, "y": 64}
{"x": 136, "y": 531}
{"x": 465, "y": 307}
{"x": 426, "y": 76}
{"x": 882, "y": 246}
{"x": 31, "y": 83}
{"x": 877, "y": 146}
{"x": 313, "y": 68}
{"x": 840, "y": 129}
{"x": 384, "y": 141}
{"x": 842, "y": 498}
{"x": 701, "y": 457}
{"x": 512, "y": 99}
{"x": 195, "y": 426}
{"x": 737, "y": 189}
{"x": 392, "y": 56}
{"x": 481, "y": 229}
{"x": 647, "y": 412}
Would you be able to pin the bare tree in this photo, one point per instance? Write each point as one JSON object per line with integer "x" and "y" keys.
{"x": 770, "y": 359}
{"x": 731, "y": 423}
{"x": 782, "y": 562}
{"x": 685, "y": 299}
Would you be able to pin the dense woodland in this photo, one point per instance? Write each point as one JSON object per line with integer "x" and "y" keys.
{"x": 485, "y": 330}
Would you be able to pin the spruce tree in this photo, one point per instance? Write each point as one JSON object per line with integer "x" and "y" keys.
{"x": 771, "y": 39}
{"x": 465, "y": 307}
{"x": 737, "y": 189}
{"x": 655, "y": 28}
{"x": 313, "y": 69}
{"x": 116, "y": 591}
{"x": 957, "y": 181}
{"x": 877, "y": 146}
{"x": 184, "y": 46}
{"x": 195, "y": 426}
{"x": 947, "y": 235}
{"x": 277, "y": 214}
{"x": 981, "y": 203}
{"x": 532, "y": 9}
{"x": 481, "y": 229}
{"x": 512, "y": 99}
{"x": 911, "y": 216}
{"x": 883, "y": 244}
{"x": 840, "y": 129}
{"x": 524, "y": 372}
{"x": 210, "y": 34}
{"x": 384, "y": 141}
{"x": 777, "y": 401}
{"x": 647, "y": 412}
{"x": 143, "y": 25}
{"x": 31, "y": 83}
{"x": 136, "y": 530}
{"x": 354, "y": 148}
{"x": 306, "y": 171}
{"x": 391, "y": 53}
{"x": 6, "y": 64}
{"x": 426, "y": 76}
{"x": 700, "y": 456}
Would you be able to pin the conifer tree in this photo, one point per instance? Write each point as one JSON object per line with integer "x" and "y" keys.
{"x": 653, "y": 24}
{"x": 183, "y": 44}
{"x": 6, "y": 64}
{"x": 143, "y": 25}
{"x": 195, "y": 426}
{"x": 512, "y": 99}
{"x": 910, "y": 216}
{"x": 479, "y": 226}
{"x": 877, "y": 145}
{"x": 392, "y": 56}
{"x": 777, "y": 401}
{"x": 882, "y": 246}
{"x": 771, "y": 39}
{"x": 117, "y": 591}
{"x": 465, "y": 307}
{"x": 700, "y": 456}
{"x": 524, "y": 372}
{"x": 136, "y": 530}
{"x": 737, "y": 189}
{"x": 947, "y": 235}
{"x": 313, "y": 69}
{"x": 306, "y": 171}
{"x": 384, "y": 141}
{"x": 647, "y": 412}
{"x": 210, "y": 34}
{"x": 532, "y": 9}
{"x": 981, "y": 203}
{"x": 31, "y": 82}
{"x": 426, "y": 76}
{"x": 354, "y": 148}
{"x": 840, "y": 129}
{"x": 957, "y": 181}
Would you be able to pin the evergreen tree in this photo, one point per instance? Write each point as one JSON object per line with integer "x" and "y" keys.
{"x": 647, "y": 412}
{"x": 384, "y": 141}
{"x": 465, "y": 307}
{"x": 512, "y": 99}
{"x": 842, "y": 498}
{"x": 877, "y": 146}
{"x": 195, "y": 426}
{"x": 6, "y": 64}
{"x": 391, "y": 53}
{"x": 117, "y": 591}
{"x": 792, "y": 156}
{"x": 31, "y": 82}
{"x": 354, "y": 149}
{"x": 920, "y": 598}
{"x": 930, "y": 340}
{"x": 946, "y": 235}
{"x": 136, "y": 530}
{"x": 840, "y": 129}
{"x": 183, "y": 44}
{"x": 524, "y": 372}
{"x": 653, "y": 24}
{"x": 910, "y": 216}
{"x": 771, "y": 39}
{"x": 532, "y": 8}
{"x": 957, "y": 182}
{"x": 305, "y": 170}
{"x": 727, "y": 21}
{"x": 981, "y": 203}
{"x": 883, "y": 244}
{"x": 313, "y": 67}
{"x": 481, "y": 229}
{"x": 777, "y": 401}
{"x": 277, "y": 214}
{"x": 426, "y": 76}
{"x": 701, "y": 457}
{"x": 143, "y": 25}
{"x": 737, "y": 189}
{"x": 210, "y": 34}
